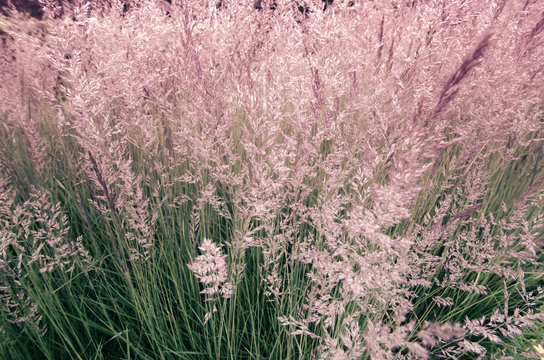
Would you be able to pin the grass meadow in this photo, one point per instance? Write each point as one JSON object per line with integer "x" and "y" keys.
{"x": 271, "y": 180}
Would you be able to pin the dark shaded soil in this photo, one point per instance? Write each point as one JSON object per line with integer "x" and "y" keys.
{"x": 30, "y": 7}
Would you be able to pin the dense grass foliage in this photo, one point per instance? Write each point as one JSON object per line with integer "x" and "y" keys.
{"x": 361, "y": 180}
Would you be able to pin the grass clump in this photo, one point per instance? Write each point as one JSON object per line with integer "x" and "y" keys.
{"x": 359, "y": 181}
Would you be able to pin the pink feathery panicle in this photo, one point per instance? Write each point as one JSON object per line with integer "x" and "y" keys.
{"x": 449, "y": 90}
{"x": 211, "y": 269}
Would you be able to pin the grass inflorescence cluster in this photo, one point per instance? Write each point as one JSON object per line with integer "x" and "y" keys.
{"x": 221, "y": 180}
